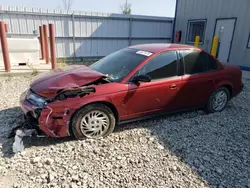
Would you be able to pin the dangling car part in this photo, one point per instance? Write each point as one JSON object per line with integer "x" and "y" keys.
{"x": 21, "y": 132}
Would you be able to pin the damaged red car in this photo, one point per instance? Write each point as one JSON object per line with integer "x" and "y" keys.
{"x": 131, "y": 84}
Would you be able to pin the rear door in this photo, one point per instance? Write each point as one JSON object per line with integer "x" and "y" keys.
{"x": 199, "y": 78}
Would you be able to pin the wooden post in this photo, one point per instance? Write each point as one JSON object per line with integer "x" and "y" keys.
{"x": 52, "y": 45}
{"x": 215, "y": 46}
{"x": 5, "y": 50}
{"x": 197, "y": 40}
{"x": 42, "y": 42}
{"x": 46, "y": 43}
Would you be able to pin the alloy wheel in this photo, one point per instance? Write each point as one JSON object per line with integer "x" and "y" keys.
{"x": 220, "y": 100}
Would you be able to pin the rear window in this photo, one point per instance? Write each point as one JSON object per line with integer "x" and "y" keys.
{"x": 198, "y": 62}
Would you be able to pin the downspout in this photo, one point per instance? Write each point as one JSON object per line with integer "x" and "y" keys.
{"x": 74, "y": 36}
{"x": 173, "y": 34}
{"x": 130, "y": 31}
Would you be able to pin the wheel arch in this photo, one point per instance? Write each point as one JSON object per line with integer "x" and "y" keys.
{"x": 229, "y": 87}
{"x": 108, "y": 104}
{"x": 224, "y": 86}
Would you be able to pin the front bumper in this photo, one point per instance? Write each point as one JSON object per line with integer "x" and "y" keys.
{"x": 31, "y": 113}
{"x": 42, "y": 119}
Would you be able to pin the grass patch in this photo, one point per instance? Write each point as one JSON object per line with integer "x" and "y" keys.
{"x": 62, "y": 62}
{"x": 35, "y": 71}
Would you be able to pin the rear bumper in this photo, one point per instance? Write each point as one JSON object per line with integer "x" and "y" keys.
{"x": 238, "y": 90}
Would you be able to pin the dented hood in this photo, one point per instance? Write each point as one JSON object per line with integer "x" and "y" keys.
{"x": 47, "y": 84}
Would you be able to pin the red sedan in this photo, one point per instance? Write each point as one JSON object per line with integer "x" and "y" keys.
{"x": 133, "y": 83}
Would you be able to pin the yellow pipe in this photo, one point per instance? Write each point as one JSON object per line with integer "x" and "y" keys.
{"x": 215, "y": 46}
{"x": 197, "y": 40}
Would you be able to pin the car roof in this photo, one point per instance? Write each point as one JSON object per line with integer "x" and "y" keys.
{"x": 158, "y": 47}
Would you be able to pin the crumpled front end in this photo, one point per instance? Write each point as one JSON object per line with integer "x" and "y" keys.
{"x": 55, "y": 122}
{"x": 52, "y": 99}
{"x": 51, "y": 116}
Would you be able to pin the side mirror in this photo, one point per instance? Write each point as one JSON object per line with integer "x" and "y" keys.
{"x": 141, "y": 78}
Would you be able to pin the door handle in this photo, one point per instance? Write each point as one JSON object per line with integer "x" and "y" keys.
{"x": 172, "y": 87}
{"x": 211, "y": 80}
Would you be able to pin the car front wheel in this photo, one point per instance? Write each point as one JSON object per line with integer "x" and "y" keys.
{"x": 93, "y": 121}
{"x": 218, "y": 100}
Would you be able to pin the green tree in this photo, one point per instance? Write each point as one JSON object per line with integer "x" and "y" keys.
{"x": 126, "y": 8}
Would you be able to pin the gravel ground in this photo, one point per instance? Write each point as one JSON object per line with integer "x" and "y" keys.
{"x": 183, "y": 150}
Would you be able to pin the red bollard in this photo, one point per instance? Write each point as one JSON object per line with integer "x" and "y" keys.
{"x": 46, "y": 43}
{"x": 52, "y": 45}
{"x": 42, "y": 42}
{"x": 6, "y": 28}
{"x": 5, "y": 49}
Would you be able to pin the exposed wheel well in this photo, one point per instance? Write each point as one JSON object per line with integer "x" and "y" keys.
{"x": 230, "y": 89}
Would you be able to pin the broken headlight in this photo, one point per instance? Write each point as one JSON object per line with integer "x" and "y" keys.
{"x": 36, "y": 100}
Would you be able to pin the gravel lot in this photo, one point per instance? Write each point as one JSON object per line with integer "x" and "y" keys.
{"x": 183, "y": 150}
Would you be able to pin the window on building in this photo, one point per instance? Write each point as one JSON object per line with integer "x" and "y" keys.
{"x": 196, "y": 28}
{"x": 162, "y": 66}
{"x": 198, "y": 62}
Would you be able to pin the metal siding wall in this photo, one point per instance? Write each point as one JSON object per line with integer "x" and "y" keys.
{"x": 211, "y": 10}
{"x": 6, "y": 19}
{"x": 100, "y": 47}
{"x": 59, "y": 48}
{"x": 96, "y": 34}
{"x": 240, "y": 54}
{"x": 151, "y": 29}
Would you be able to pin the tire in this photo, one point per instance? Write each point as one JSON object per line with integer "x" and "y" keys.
{"x": 211, "y": 107}
{"x": 92, "y": 119}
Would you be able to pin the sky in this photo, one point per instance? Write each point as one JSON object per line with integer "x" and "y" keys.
{"x": 141, "y": 7}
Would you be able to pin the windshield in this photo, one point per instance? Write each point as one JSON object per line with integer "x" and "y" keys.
{"x": 119, "y": 64}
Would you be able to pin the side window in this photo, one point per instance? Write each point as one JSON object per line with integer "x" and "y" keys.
{"x": 162, "y": 66}
{"x": 197, "y": 62}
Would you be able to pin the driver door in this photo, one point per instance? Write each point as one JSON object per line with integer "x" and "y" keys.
{"x": 159, "y": 94}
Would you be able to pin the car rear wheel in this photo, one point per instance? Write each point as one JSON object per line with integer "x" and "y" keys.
{"x": 218, "y": 100}
{"x": 93, "y": 121}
